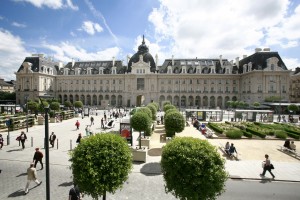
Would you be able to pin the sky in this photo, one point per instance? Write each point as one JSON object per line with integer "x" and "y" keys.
{"x": 86, "y": 30}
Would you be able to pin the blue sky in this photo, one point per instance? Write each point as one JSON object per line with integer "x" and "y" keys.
{"x": 100, "y": 30}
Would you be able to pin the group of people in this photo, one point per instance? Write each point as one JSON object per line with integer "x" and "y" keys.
{"x": 230, "y": 149}
{"x": 289, "y": 145}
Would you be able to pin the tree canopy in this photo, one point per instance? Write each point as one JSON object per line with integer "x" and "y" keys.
{"x": 68, "y": 104}
{"x": 78, "y": 104}
{"x": 140, "y": 121}
{"x": 55, "y": 106}
{"x": 293, "y": 108}
{"x": 153, "y": 110}
{"x": 100, "y": 164}
{"x": 193, "y": 169}
{"x": 174, "y": 122}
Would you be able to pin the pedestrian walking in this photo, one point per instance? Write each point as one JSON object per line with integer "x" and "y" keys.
{"x": 1, "y": 141}
{"x": 52, "y": 139}
{"x": 78, "y": 138}
{"x": 22, "y": 138}
{"x": 87, "y": 130}
{"x": 38, "y": 157}
{"x": 92, "y": 120}
{"x": 77, "y": 124}
{"x": 267, "y": 166}
{"x": 31, "y": 176}
{"x": 104, "y": 116}
{"x": 74, "y": 193}
{"x": 102, "y": 123}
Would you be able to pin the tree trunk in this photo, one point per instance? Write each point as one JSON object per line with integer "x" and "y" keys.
{"x": 104, "y": 195}
{"x": 140, "y": 140}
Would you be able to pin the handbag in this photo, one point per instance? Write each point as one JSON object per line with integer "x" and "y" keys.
{"x": 272, "y": 166}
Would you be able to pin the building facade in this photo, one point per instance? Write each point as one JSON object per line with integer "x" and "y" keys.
{"x": 186, "y": 83}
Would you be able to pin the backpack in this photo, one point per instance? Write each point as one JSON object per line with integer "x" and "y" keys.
{"x": 41, "y": 154}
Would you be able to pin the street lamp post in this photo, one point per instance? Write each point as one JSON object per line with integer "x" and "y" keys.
{"x": 47, "y": 108}
{"x": 26, "y": 98}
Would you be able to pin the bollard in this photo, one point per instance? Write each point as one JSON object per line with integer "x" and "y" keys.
{"x": 31, "y": 141}
{"x": 19, "y": 142}
{"x": 70, "y": 145}
{"x": 57, "y": 144}
{"x": 8, "y": 139}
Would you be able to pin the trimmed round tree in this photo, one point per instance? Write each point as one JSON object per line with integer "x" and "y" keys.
{"x": 193, "y": 169}
{"x": 174, "y": 122}
{"x": 166, "y": 103}
{"x": 33, "y": 106}
{"x": 100, "y": 164}
{"x": 78, "y": 104}
{"x": 54, "y": 106}
{"x": 293, "y": 108}
{"x": 156, "y": 105}
{"x": 140, "y": 121}
{"x": 145, "y": 110}
{"x": 168, "y": 107}
{"x": 153, "y": 111}
{"x": 68, "y": 104}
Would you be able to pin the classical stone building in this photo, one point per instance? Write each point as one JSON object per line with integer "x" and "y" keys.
{"x": 7, "y": 86}
{"x": 187, "y": 83}
{"x": 295, "y": 86}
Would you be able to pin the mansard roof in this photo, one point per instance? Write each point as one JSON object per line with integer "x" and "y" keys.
{"x": 95, "y": 66}
{"x": 259, "y": 60}
{"x": 191, "y": 65}
{"x": 38, "y": 62}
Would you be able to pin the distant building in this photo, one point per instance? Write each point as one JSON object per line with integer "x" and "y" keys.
{"x": 295, "y": 86}
{"x": 185, "y": 82}
{"x": 7, "y": 86}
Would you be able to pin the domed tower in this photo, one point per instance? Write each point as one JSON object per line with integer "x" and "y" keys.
{"x": 143, "y": 50}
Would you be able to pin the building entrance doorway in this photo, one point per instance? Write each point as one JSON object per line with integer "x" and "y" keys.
{"x": 140, "y": 100}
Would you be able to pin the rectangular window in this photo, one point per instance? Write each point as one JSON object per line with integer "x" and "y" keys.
{"x": 140, "y": 83}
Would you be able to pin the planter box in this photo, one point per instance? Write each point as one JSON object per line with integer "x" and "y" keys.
{"x": 145, "y": 142}
{"x": 52, "y": 120}
{"x": 162, "y": 138}
{"x": 41, "y": 120}
{"x": 139, "y": 154}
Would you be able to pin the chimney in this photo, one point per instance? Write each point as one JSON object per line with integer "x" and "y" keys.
{"x": 172, "y": 60}
{"x": 73, "y": 62}
{"x": 113, "y": 61}
{"x": 258, "y": 50}
{"x": 237, "y": 62}
{"x": 221, "y": 62}
{"x": 267, "y": 49}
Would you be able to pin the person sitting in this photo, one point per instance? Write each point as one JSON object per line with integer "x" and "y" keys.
{"x": 227, "y": 146}
{"x": 287, "y": 144}
{"x": 293, "y": 146}
{"x": 232, "y": 150}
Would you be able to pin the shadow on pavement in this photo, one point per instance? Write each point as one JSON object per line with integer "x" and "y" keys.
{"x": 266, "y": 180}
{"x": 17, "y": 193}
{"x": 12, "y": 150}
{"x": 66, "y": 184}
{"x": 151, "y": 169}
{"x": 23, "y": 174}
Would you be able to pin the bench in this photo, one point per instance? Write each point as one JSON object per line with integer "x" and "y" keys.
{"x": 235, "y": 155}
{"x": 288, "y": 151}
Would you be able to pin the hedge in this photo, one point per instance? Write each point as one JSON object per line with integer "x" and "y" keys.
{"x": 247, "y": 134}
{"x": 254, "y": 132}
{"x": 292, "y": 135}
{"x": 215, "y": 127}
{"x": 280, "y": 134}
{"x": 234, "y": 134}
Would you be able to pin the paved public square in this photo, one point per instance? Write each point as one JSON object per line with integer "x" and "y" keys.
{"x": 145, "y": 181}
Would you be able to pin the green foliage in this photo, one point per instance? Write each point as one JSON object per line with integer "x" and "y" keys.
{"x": 280, "y": 134}
{"x": 52, "y": 113}
{"x": 166, "y": 103}
{"x": 215, "y": 127}
{"x": 293, "y": 108}
{"x": 55, "y": 106}
{"x": 7, "y": 95}
{"x": 33, "y": 106}
{"x": 174, "y": 122}
{"x": 78, "y": 104}
{"x": 193, "y": 169}
{"x": 247, "y": 134}
{"x": 256, "y": 104}
{"x": 145, "y": 110}
{"x": 133, "y": 111}
{"x": 234, "y": 134}
{"x": 171, "y": 110}
{"x": 43, "y": 104}
{"x": 273, "y": 99}
{"x": 168, "y": 107}
{"x": 101, "y": 163}
{"x": 256, "y": 132}
{"x": 153, "y": 110}
{"x": 156, "y": 105}
{"x": 140, "y": 121}
{"x": 68, "y": 104}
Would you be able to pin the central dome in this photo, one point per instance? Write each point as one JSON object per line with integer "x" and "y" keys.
{"x": 147, "y": 57}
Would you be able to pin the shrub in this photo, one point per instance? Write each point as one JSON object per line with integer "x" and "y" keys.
{"x": 247, "y": 134}
{"x": 256, "y": 132}
{"x": 193, "y": 169}
{"x": 215, "y": 127}
{"x": 234, "y": 134}
{"x": 174, "y": 122}
{"x": 153, "y": 110}
{"x": 146, "y": 110}
{"x": 168, "y": 107}
{"x": 280, "y": 134}
{"x": 292, "y": 135}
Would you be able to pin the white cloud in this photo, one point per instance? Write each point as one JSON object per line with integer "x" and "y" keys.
{"x": 66, "y": 51}
{"x": 16, "y": 24}
{"x": 291, "y": 63}
{"x": 12, "y": 54}
{"x": 53, "y": 4}
{"x": 91, "y": 27}
{"x": 209, "y": 28}
{"x": 72, "y": 34}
